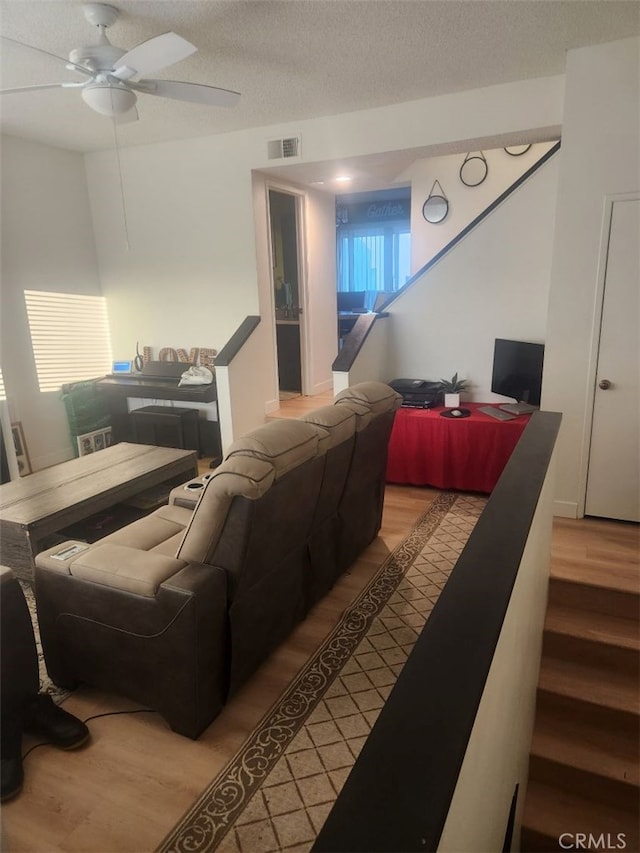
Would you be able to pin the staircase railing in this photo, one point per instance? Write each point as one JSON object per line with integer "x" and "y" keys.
{"x": 355, "y": 339}
{"x": 451, "y": 744}
{"x": 474, "y": 222}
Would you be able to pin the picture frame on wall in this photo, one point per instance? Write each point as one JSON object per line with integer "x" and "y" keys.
{"x": 92, "y": 442}
{"x": 20, "y": 447}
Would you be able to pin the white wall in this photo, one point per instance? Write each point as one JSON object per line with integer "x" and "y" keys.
{"x": 497, "y": 756}
{"x": 374, "y": 361}
{"x": 465, "y": 203}
{"x": 321, "y": 301}
{"x": 47, "y": 244}
{"x": 187, "y": 277}
{"x": 194, "y": 268}
{"x": 600, "y": 145}
{"x": 477, "y": 114}
{"x": 240, "y": 386}
{"x": 494, "y": 284}
{"x": 190, "y": 272}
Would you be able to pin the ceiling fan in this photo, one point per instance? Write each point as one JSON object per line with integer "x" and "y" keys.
{"x": 109, "y": 86}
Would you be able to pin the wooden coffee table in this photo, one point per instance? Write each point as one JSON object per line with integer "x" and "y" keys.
{"x": 43, "y": 503}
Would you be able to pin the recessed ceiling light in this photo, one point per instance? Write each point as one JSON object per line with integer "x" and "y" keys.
{"x": 341, "y": 179}
{"x": 316, "y": 183}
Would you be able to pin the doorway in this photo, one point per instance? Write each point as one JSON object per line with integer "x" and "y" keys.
{"x": 613, "y": 480}
{"x": 285, "y": 275}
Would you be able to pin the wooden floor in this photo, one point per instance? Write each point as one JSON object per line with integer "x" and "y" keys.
{"x": 135, "y": 779}
{"x": 131, "y": 784}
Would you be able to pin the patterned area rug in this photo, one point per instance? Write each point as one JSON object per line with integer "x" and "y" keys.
{"x": 276, "y": 792}
{"x": 46, "y": 685}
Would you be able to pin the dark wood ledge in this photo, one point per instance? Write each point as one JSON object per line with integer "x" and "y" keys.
{"x": 399, "y": 792}
{"x": 236, "y": 341}
{"x": 354, "y": 341}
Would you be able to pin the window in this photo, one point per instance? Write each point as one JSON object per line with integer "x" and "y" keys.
{"x": 3, "y": 395}
{"x": 69, "y": 337}
{"x": 373, "y": 258}
{"x": 373, "y": 242}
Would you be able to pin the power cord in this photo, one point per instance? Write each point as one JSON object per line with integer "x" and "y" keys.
{"x": 94, "y": 717}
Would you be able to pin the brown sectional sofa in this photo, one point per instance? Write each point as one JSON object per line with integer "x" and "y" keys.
{"x": 177, "y": 610}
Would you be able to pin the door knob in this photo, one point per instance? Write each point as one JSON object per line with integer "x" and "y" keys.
{"x": 604, "y": 384}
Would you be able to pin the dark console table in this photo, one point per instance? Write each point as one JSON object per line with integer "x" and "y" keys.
{"x": 118, "y": 389}
{"x": 468, "y": 454}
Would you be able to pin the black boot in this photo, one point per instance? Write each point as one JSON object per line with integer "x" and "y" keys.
{"x": 44, "y": 719}
{"x": 11, "y": 755}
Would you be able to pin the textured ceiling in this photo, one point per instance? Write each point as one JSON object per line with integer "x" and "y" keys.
{"x": 294, "y": 59}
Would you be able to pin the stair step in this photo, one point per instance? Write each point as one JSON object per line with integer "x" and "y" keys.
{"x": 600, "y": 553}
{"x": 595, "y": 786}
{"x": 597, "y": 654}
{"x": 567, "y": 591}
{"x": 569, "y": 707}
{"x": 587, "y": 738}
{"x": 583, "y": 773}
{"x": 609, "y": 689}
{"x": 596, "y": 627}
{"x": 550, "y": 812}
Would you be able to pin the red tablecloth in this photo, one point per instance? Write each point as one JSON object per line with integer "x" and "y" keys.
{"x": 469, "y": 454}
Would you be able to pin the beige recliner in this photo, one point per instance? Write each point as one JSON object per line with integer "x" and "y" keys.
{"x": 178, "y": 609}
{"x": 339, "y": 425}
{"x": 374, "y": 405}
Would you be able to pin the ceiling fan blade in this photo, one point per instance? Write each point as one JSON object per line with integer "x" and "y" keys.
{"x": 153, "y": 55}
{"x": 195, "y": 93}
{"x": 70, "y": 65}
{"x": 41, "y": 86}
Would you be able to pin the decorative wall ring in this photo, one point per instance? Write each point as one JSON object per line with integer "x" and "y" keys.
{"x": 474, "y": 169}
{"x": 436, "y": 207}
{"x": 517, "y": 150}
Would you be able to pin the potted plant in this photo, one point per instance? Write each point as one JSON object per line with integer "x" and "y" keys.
{"x": 451, "y": 389}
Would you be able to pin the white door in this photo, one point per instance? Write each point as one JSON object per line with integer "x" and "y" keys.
{"x": 613, "y": 483}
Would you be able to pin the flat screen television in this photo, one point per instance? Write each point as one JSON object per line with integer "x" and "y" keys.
{"x": 517, "y": 372}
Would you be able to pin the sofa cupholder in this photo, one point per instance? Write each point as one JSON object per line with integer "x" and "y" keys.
{"x": 193, "y": 487}
{"x": 207, "y": 477}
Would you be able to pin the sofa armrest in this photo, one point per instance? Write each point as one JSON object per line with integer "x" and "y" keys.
{"x": 122, "y": 567}
{"x": 188, "y": 494}
{"x": 168, "y": 651}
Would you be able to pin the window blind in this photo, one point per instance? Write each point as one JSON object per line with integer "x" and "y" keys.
{"x": 69, "y": 337}
{"x": 3, "y": 395}
{"x": 373, "y": 258}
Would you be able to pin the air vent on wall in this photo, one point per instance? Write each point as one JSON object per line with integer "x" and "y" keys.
{"x": 279, "y": 149}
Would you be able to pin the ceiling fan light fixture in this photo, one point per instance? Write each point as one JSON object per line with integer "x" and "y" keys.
{"x": 107, "y": 99}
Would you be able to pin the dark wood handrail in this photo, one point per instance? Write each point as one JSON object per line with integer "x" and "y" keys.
{"x": 399, "y": 792}
{"x": 236, "y": 341}
{"x": 355, "y": 339}
{"x": 483, "y": 215}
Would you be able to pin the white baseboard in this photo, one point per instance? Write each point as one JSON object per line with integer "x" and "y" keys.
{"x": 271, "y": 406}
{"x": 321, "y": 387}
{"x": 565, "y": 509}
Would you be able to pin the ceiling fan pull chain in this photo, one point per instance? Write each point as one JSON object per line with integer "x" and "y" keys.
{"x": 122, "y": 198}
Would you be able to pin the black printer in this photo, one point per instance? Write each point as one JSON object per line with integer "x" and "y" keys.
{"x": 418, "y": 393}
